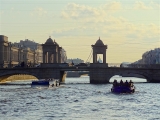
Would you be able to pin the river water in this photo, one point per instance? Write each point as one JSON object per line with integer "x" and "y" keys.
{"x": 78, "y": 100}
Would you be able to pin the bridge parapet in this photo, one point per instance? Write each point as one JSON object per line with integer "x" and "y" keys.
{"x": 150, "y": 66}
{"x": 99, "y": 65}
{"x": 51, "y": 65}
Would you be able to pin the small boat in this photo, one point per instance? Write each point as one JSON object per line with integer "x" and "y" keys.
{"x": 45, "y": 83}
{"x": 123, "y": 89}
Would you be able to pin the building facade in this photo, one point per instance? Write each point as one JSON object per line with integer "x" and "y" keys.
{"x": 33, "y": 46}
{"x": 13, "y": 54}
{"x": 30, "y": 53}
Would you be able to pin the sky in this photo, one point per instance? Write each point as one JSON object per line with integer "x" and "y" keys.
{"x": 128, "y": 27}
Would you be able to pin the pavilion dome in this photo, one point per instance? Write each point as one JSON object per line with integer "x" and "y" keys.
{"x": 99, "y": 43}
{"x": 49, "y": 41}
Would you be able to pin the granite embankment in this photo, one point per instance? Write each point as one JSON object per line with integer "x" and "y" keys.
{"x": 5, "y": 79}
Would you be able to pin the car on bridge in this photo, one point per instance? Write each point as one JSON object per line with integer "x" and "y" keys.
{"x": 38, "y": 65}
{"x": 81, "y": 64}
{"x": 17, "y": 66}
{"x": 64, "y": 65}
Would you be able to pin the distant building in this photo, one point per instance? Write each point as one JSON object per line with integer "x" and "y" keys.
{"x": 125, "y": 64}
{"x": 37, "y": 48}
{"x": 150, "y": 57}
{"x": 63, "y": 56}
{"x": 76, "y": 61}
{"x": 28, "y": 52}
{"x": 13, "y": 54}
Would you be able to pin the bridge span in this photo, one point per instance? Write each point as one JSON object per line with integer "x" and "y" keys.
{"x": 100, "y": 73}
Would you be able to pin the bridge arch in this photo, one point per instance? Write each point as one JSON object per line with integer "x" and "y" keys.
{"x": 130, "y": 73}
{"x": 7, "y": 75}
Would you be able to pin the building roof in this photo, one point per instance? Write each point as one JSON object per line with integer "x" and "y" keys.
{"x": 55, "y": 42}
{"x": 99, "y": 42}
{"x": 49, "y": 41}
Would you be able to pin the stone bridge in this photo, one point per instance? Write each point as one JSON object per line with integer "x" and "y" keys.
{"x": 99, "y": 73}
{"x": 56, "y": 71}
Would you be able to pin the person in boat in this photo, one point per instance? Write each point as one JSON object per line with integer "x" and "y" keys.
{"x": 56, "y": 83}
{"x": 126, "y": 83}
{"x": 121, "y": 83}
{"x": 132, "y": 88}
{"x": 130, "y": 83}
{"x": 115, "y": 83}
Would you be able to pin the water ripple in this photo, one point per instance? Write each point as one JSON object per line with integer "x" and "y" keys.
{"x": 74, "y": 101}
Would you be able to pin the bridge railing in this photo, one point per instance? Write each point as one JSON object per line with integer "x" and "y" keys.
{"x": 134, "y": 65}
{"x": 114, "y": 64}
{"x": 144, "y": 66}
{"x": 154, "y": 66}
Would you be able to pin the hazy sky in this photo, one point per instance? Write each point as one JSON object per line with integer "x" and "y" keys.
{"x": 128, "y": 27}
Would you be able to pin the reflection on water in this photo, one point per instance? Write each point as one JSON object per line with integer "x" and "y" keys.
{"x": 78, "y": 100}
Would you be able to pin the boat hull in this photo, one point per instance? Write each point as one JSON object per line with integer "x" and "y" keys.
{"x": 45, "y": 83}
{"x": 40, "y": 83}
{"x": 122, "y": 89}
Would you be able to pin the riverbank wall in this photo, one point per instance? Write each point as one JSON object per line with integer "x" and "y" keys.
{"x": 5, "y": 79}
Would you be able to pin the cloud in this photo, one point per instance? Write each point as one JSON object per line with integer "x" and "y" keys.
{"x": 71, "y": 31}
{"x": 39, "y": 12}
{"x": 155, "y": 4}
{"x": 77, "y": 11}
{"x": 104, "y": 22}
{"x": 141, "y": 6}
{"x": 112, "y": 6}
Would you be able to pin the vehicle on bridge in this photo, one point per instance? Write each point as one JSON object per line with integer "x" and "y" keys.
{"x": 17, "y": 66}
{"x": 38, "y": 65}
{"x": 81, "y": 64}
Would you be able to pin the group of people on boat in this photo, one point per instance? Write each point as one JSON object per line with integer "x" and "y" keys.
{"x": 123, "y": 86}
{"x": 56, "y": 82}
{"x": 121, "y": 83}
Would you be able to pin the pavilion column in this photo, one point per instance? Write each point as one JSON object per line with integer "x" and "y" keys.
{"x": 49, "y": 57}
{"x": 59, "y": 57}
{"x": 104, "y": 57}
{"x": 94, "y": 58}
{"x": 52, "y": 58}
{"x": 46, "y": 57}
{"x": 55, "y": 57}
